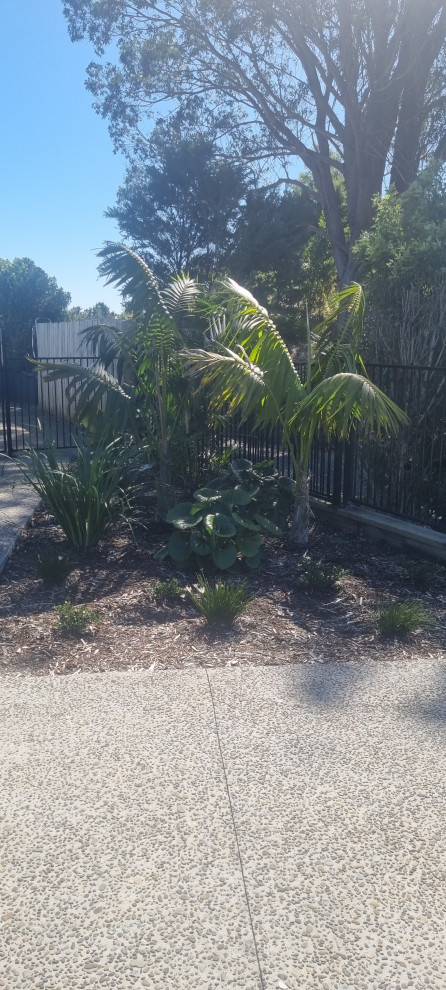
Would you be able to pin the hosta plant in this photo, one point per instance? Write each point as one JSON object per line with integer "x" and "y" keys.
{"x": 226, "y": 519}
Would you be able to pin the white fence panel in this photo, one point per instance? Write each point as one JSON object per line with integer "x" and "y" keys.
{"x": 60, "y": 342}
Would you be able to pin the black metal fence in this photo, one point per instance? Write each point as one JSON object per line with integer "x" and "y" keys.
{"x": 405, "y": 476}
{"x": 35, "y": 412}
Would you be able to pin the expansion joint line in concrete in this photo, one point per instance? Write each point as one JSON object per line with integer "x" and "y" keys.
{"x": 245, "y": 888}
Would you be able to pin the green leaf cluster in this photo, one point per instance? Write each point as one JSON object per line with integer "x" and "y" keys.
{"x": 226, "y": 520}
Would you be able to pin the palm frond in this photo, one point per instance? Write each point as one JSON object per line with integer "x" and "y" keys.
{"x": 338, "y": 337}
{"x": 129, "y": 272}
{"x": 88, "y": 389}
{"x": 234, "y": 383}
{"x": 180, "y": 295}
{"x": 343, "y": 401}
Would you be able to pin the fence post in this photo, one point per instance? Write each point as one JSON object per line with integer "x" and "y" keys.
{"x": 6, "y": 407}
{"x": 349, "y": 463}
{"x": 337, "y": 472}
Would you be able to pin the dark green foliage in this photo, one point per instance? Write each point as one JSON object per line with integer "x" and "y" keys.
{"x": 317, "y": 576}
{"x": 227, "y": 518}
{"x": 222, "y": 602}
{"x": 86, "y": 498}
{"x": 179, "y": 208}
{"x": 72, "y": 620}
{"x": 167, "y": 591}
{"x": 402, "y": 618}
{"x": 27, "y": 294}
{"x": 422, "y": 573}
{"x": 53, "y": 567}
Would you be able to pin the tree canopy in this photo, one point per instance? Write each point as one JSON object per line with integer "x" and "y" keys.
{"x": 180, "y": 209}
{"x": 348, "y": 87}
{"x": 27, "y": 294}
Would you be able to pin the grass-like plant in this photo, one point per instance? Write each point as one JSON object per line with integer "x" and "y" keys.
{"x": 220, "y": 602}
{"x": 53, "y": 567}
{"x": 317, "y": 576}
{"x": 167, "y": 591}
{"x": 86, "y": 498}
{"x": 402, "y": 618}
{"x": 73, "y": 620}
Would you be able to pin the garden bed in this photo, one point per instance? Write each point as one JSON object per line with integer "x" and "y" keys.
{"x": 285, "y": 624}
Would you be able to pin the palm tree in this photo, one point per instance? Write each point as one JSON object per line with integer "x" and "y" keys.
{"x": 248, "y": 369}
{"x": 136, "y": 388}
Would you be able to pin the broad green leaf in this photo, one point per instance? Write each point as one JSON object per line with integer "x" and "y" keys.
{"x": 249, "y": 545}
{"x": 240, "y": 464}
{"x": 268, "y": 525}
{"x": 181, "y": 516}
{"x": 236, "y": 496}
{"x": 206, "y": 495}
{"x": 178, "y": 549}
{"x": 225, "y": 557}
{"x": 247, "y": 523}
{"x": 223, "y": 526}
{"x": 199, "y": 544}
{"x": 254, "y": 562}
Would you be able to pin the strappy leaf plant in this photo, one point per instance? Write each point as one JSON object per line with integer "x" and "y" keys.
{"x": 247, "y": 369}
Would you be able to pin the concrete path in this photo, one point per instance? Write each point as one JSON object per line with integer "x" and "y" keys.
{"x": 260, "y": 829}
{"x": 17, "y": 503}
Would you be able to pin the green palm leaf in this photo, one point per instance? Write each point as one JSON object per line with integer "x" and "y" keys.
{"x": 343, "y": 401}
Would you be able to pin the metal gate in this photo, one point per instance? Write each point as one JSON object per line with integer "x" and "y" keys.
{"x": 34, "y": 412}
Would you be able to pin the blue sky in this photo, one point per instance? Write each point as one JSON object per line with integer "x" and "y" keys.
{"x": 58, "y": 172}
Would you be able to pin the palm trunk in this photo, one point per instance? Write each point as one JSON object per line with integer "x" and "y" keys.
{"x": 165, "y": 491}
{"x": 300, "y": 523}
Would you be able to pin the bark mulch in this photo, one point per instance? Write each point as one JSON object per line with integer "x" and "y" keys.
{"x": 286, "y": 624}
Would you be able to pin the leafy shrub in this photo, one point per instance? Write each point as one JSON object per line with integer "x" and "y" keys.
{"x": 167, "y": 591}
{"x": 72, "y": 620}
{"x": 220, "y": 603}
{"x": 52, "y": 566}
{"x": 402, "y": 618}
{"x": 317, "y": 576}
{"x": 87, "y": 498}
{"x": 227, "y": 518}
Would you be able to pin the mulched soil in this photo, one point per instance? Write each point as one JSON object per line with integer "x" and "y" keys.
{"x": 285, "y": 624}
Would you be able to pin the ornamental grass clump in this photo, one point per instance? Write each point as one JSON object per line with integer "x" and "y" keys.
{"x": 220, "y": 602}
{"x": 52, "y": 567}
{"x": 402, "y": 618}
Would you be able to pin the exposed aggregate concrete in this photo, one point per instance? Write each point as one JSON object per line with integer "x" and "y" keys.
{"x": 118, "y": 859}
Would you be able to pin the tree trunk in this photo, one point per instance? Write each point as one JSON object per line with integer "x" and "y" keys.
{"x": 300, "y": 522}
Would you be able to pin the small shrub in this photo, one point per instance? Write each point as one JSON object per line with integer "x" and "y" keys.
{"x": 167, "y": 591}
{"x": 317, "y": 576}
{"x": 422, "y": 573}
{"x": 402, "y": 618}
{"x": 72, "y": 620}
{"x": 52, "y": 567}
{"x": 220, "y": 603}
